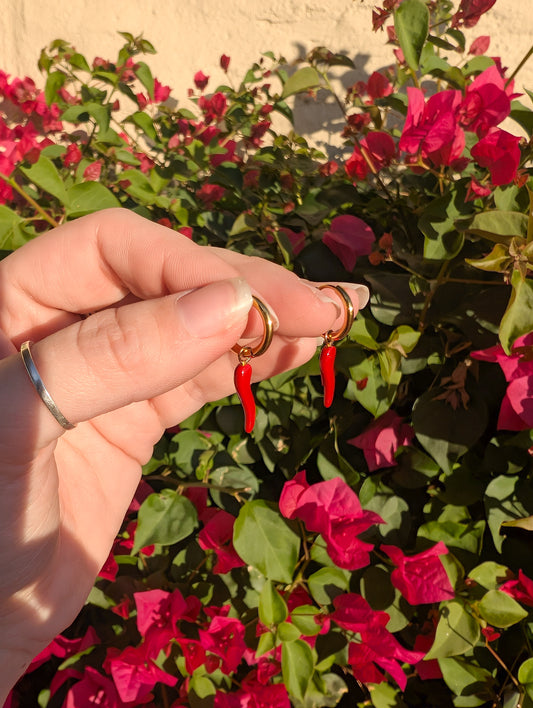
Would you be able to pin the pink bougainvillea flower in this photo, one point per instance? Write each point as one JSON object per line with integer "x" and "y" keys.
{"x": 382, "y": 438}
{"x": 161, "y": 93}
{"x": 470, "y": 11}
{"x": 379, "y": 151}
{"x": 213, "y": 107}
{"x": 217, "y": 535}
{"x": 63, "y": 648}
{"x": 258, "y": 131}
{"x": 520, "y": 589}
{"x": 92, "y": 172}
{"x": 224, "y": 639}
{"x": 135, "y": 675}
{"x": 158, "y": 613}
{"x": 477, "y": 190}
{"x": 72, "y": 156}
{"x": 480, "y": 45}
{"x": 378, "y": 86}
{"x": 499, "y": 152}
{"x": 485, "y": 103}
{"x": 431, "y": 129}
{"x": 200, "y": 80}
{"x": 224, "y": 62}
{"x": 420, "y": 578}
{"x": 332, "y": 509}
{"x": 209, "y": 194}
{"x": 490, "y": 634}
{"x": 378, "y": 647}
{"x": 95, "y": 690}
{"x": 516, "y": 410}
{"x": 349, "y": 237}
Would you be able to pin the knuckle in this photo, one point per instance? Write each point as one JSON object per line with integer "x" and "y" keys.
{"x": 119, "y": 342}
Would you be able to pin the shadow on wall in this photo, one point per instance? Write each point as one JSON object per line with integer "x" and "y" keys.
{"x": 321, "y": 117}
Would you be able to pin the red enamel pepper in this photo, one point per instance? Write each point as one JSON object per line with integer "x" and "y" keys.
{"x": 327, "y": 373}
{"x": 242, "y": 379}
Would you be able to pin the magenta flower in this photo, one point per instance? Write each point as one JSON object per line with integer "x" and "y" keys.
{"x": 158, "y": 613}
{"x": 500, "y": 154}
{"x": 485, "y": 103}
{"x": 516, "y": 410}
{"x": 349, "y": 237}
{"x": 382, "y": 438}
{"x": 380, "y": 151}
{"x": 420, "y": 578}
{"x": 225, "y": 640}
{"x": 520, "y": 589}
{"x": 95, "y": 690}
{"x": 135, "y": 675}
{"x": 200, "y": 80}
{"x": 217, "y": 535}
{"x": 378, "y": 647}
{"x": 431, "y": 129}
{"x": 332, "y": 509}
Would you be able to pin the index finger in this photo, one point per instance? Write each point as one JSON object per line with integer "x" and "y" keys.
{"x": 94, "y": 262}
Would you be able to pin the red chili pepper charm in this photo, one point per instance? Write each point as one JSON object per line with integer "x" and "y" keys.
{"x": 242, "y": 379}
{"x": 327, "y": 373}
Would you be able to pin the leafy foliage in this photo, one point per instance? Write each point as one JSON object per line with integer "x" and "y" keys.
{"x": 396, "y": 568}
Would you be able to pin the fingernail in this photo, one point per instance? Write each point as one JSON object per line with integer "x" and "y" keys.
{"x": 363, "y": 293}
{"x": 215, "y": 308}
{"x": 323, "y": 297}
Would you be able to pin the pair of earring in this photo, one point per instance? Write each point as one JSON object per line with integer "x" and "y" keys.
{"x": 243, "y": 371}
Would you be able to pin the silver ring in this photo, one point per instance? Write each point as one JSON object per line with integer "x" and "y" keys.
{"x": 41, "y": 389}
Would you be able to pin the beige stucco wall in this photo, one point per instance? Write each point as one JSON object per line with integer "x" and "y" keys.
{"x": 192, "y": 35}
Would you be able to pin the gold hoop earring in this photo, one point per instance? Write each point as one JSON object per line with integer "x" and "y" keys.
{"x": 243, "y": 373}
{"x": 329, "y": 351}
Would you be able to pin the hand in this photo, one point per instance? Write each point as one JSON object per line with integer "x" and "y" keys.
{"x": 133, "y": 326}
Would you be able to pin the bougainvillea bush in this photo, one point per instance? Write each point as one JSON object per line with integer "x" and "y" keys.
{"x": 374, "y": 553}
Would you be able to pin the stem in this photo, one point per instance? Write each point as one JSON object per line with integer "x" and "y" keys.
{"x": 520, "y": 65}
{"x": 38, "y": 208}
{"x": 431, "y": 295}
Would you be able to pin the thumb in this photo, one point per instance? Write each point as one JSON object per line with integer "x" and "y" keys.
{"x": 123, "y": 355}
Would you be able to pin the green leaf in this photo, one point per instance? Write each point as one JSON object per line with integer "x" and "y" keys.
{"x": 288, "y": 632}
{"x": 143, "y": 73}
{"x": 88, "y": 197}
{"x": 446, "y": 433}
{"x": 463, "y": 677}
{"x": 272, "y": 607}
{"x": 264, "y": 540}
{"x": 144, "y": 122}
{"x": 522, "y": 115}
{"x": 81, "y": 114}
{"x": 438, "y": 224}
{"x": 164, "y": 518}
{"x": 45, "y": 175}
{"x": 457, "y": 631}
{"x": 8, "y": 235}
{"x": 525, "y": 672}
{"x": 411, "y": 22}
{"x": 139, "y": 186}
{"x": 507, "y": 497}
{"x": 490, "y": 574}
{"x": 326, "y": 583}
{"x": 497, "y": 261}
{"x": 302, "y": 80}
{"x": 303, "y": 617}
{"x": 78, "y": 61}
{"x": 518, "y": 317}
{"x": 297, "y": 666}
{"x": 500, "y": 610}
{"x": 499, "y": 226}
{"x": 54, "y": 82}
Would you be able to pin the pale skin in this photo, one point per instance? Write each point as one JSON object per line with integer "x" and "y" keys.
{"x": 133, "y": 327}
